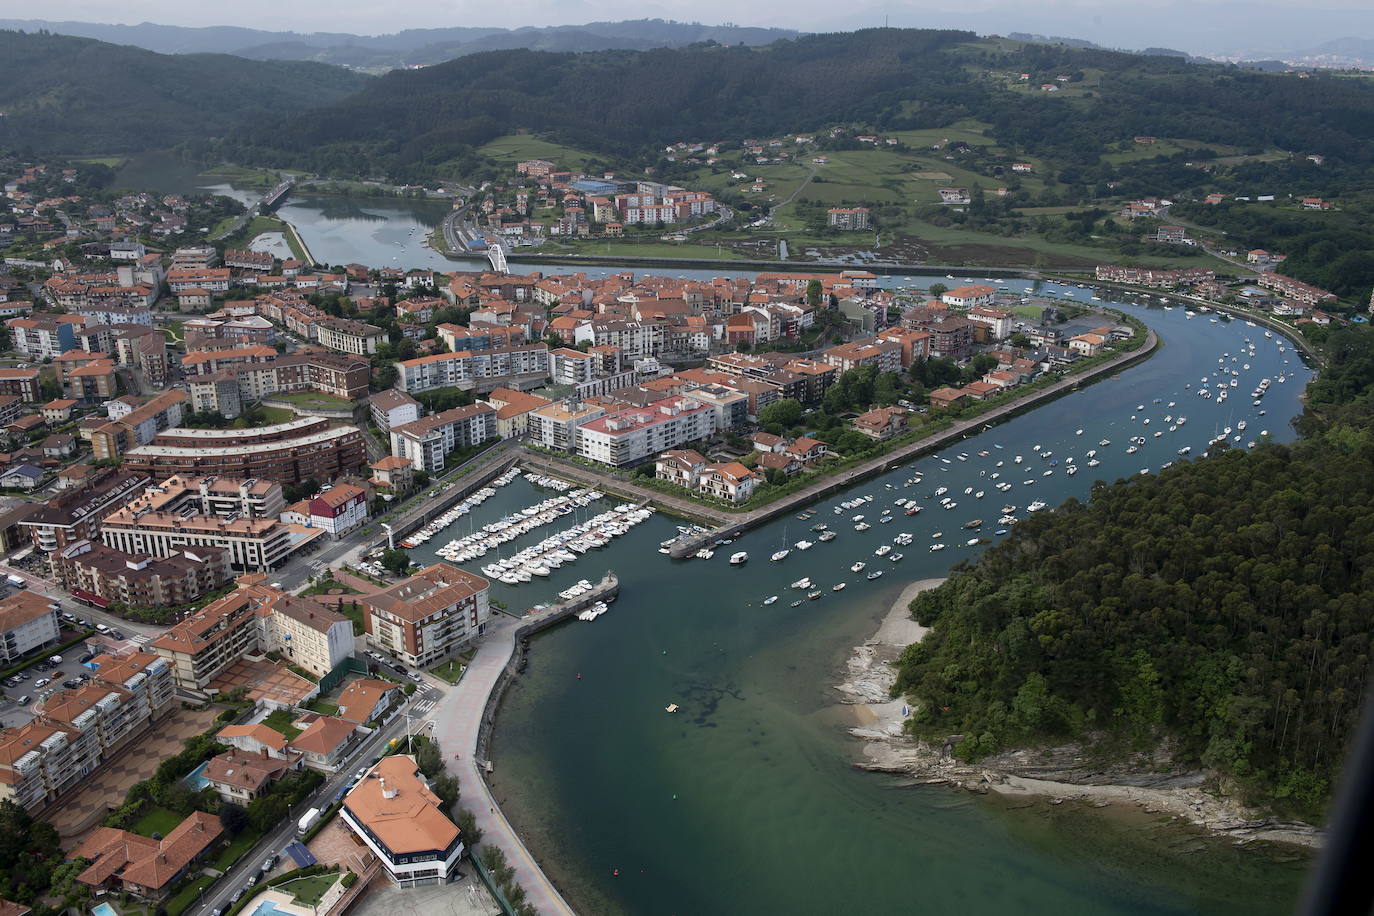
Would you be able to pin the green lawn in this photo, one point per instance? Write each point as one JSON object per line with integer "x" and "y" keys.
{"x": 157, "y": 820}
{"x": 271, "y": 415}
{"x": 323, "y": 708}
{"x": 312, "y": 399}
{"x": 187, "y": 896}
{"x": 309, "y": 890}
{"x": 325, "y": 586}
{"x": 236, "y": 848}
{"x": 450, "y": 670}
{"x": 280, "y": 721}
{"x": 517, "y": 147}
{"x": 113, "y": 162}
{"x": 654, "y": 249}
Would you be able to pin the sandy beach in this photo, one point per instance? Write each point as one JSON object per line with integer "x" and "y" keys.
{"x": 1055, "y": 775}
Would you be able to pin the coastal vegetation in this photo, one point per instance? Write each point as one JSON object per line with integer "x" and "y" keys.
{"x": 1218, "y": 610}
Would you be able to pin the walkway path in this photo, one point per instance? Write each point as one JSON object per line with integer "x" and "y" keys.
{"x": 457, "y": 722}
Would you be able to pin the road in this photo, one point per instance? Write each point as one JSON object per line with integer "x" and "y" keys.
{"x": 218, "y": 897}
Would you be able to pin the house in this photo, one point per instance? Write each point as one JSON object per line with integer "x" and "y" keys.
{"x": 967, "y": 297}
{"x": 731, "y": 482}
{"x": 325, "y": 743}
{"x": 141, "y": 866}
{"x": 767, "y": 442}
{"x": 981, "y": 391}
{"x": 58, "y": 410}
{"x": 21, "y": 477}
{"x": 680, "y": 466}
{"x": 779, "y": 461}
{"x": 881, "y": 423}
{"x": 240, "y": 777}
{"x": 339, "y": 509}
{"x": 396, "y": 474}
{"x": 806, "y": 449}
{"x": 1087, "y": 344}
{"x": 367, "y": 700}
{"x": 946, "y": 397}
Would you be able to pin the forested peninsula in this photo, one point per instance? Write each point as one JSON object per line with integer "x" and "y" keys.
{"x": 1220, "y": 610}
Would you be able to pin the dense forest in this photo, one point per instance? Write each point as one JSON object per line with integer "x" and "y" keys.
{"x": 1221, "y": 608}
{"x": 623, "y": 103}
{"x": 77, "y": 96}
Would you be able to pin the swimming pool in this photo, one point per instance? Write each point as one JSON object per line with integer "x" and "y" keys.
{"x": 195, "y": 781}
{"x": 104, "y": 909}
{"x": 266, "y": 908}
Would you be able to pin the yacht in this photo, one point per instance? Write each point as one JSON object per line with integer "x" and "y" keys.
{"x": 803, "y": 582}
{"x": 780, "y": 555}
{"x": 858, "y": 567}
{"x": 875, "y": 574}
{"x": 770, "y": 599}
{"x": 739, "y": 559}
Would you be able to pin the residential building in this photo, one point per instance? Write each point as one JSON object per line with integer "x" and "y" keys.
{"x": 424, "y": 618}
{"x": 393, "y": 408}
{"x": 44, "y": 336}
{"x": 915, "y": 345}
{"x": 680, "y": 466}
{"x": 288, "y": 452}
{"x": 998, "y": 320}
{"x": 346, "y": 336}
{"x": 731, "y": 482}
{"x": 75, "y": 513}
{"x": 138, "y": 426}
{"x": 255, "y": 617}
{"x": 481, "y": 369}
{"x": 571, "y": 367}
{"x": 847, "y": 218}
{"x": 556, "y": 425}
{"x": 428, "y": 441}
{"x": 367, "y": 700}
{"x": 100, "y": 575}
{"x": 884, "y": 355}
{"x": 126, "y": 862}
{"x": 394, "y": 814}
{"x": 339, "y": 509}
{"x": 78, "y": 730}
{"x": 630, "y": 436}
{"x": 966, "y": 297}
{"x": 22, "y": 383}
{"x": 513, "y": 410}
{"x": 325, "y": 743}
{"x": 396, "y": 474}
{"x": 881, "y": 422}
{"x": 239, "y": 778}
{"x": 28, "y": 621}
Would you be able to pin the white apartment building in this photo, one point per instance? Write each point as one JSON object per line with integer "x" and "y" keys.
{"x": 467, "y": 368}
{"x": 630, "y": 436}
{"x": 348, "y": 336}
{"x": 427, "y": 441}
{"x": 27, "y": 621}
{"x": 555, "y": 426}
{"x": 396, "y": 815}
{"x": 424, "y": 618}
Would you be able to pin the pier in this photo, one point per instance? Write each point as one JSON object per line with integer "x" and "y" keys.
{"x": 463, "y": 723}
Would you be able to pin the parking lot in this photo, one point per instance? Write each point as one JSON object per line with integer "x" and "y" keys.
{"x": 24, "y": 691}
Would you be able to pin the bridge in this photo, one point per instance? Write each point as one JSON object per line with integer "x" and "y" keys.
{"x": 274, "y": 196}
{"x": 496, "y": 253}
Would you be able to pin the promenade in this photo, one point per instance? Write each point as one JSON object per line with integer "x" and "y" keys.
{"x": 457, "y": 725}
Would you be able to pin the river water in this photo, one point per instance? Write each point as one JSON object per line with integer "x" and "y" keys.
{"x": 745, "y": 801}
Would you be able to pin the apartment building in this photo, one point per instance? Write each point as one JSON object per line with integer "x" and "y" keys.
{"x": 75, "y": 731}
{"x": 556, "y": 425}
{"x": 226, "y": 497}
{"x": 100, "y": 575}
{"x": 630, "y": 436}
{"x": 571, "y": 367}
{"x": 885, "y": 355}
{"x": 75, "y": 513}
{"x": 347, "y": 336}
{"x": 28, "y": 621}
{"x": 287, "y": 452}
{"x": 45, "y": 336}
{"x": 472, "y": 368}
{"x": 393, "y": 408}
{"x": 251, "y": 543}
{"x": 513, "y": 409}
{"x": 138, "y": 426}
{"x": 394, "y": 813}
{"x": 255, "y": 617}
{"x": 22, "y": 383}
{"x": 424, "y": 618}
{"x": 426, "y": 442}
{"x": 339, "y": 509}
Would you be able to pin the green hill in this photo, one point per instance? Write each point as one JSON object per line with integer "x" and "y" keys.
{"x": 1221, "y": 607}
{"x": 76, "y": 95}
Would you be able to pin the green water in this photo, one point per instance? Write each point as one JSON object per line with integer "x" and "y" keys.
{"x": 745, "y": 801}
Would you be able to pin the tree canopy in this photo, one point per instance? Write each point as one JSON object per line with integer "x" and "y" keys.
{"x": 1220, "y": 608}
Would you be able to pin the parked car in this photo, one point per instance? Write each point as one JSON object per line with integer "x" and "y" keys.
{"x": 116, "y": 634}
{"x": 24, "y": 700}
{"x": 101, "y": 628}
{"x": 41, "y": 682}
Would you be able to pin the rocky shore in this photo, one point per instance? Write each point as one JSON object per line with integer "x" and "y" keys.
{"x": 1056, "y": 774}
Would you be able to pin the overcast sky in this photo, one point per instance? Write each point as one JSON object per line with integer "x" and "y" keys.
{"x": 1194, "y": 25}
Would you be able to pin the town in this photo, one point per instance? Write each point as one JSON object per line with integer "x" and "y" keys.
{"x": 221, "y": 664}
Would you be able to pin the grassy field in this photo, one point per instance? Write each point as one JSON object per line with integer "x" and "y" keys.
{"x": 236, "y": 848}
{"x": 309, "y": 890}
{"x": 654, "y": 249}
{"x": 312, "y": 399}
{"x": 184, "y": 898}
{"x": 242, "y": 176}
{"x": 256, "y": 227}
{"x": 273, "y": 415}
{"x": 517, "y": 147}
{"x": 157, "y": 820}
{"x": 113, "y": 162}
